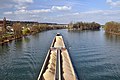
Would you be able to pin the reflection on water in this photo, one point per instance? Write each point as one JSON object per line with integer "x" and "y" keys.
{"x": 25, "y": 39}
{"x": 112, "y": 37}
{"x": 95, "y": 55}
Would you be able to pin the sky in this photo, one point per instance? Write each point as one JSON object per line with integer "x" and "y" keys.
{"x": 61, "y": 11}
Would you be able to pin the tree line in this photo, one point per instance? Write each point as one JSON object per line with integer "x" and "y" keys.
{"x": 112, "y": 27}
{"x": 20, "y": 30}
{"x": 84, "y": 26}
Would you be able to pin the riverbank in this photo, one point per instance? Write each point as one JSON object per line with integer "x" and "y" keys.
{"x": 10, "y": 37}
{"x": 84, "y": 26}
{"x": 112, "y": 28}
{"x": 113, "y": 33}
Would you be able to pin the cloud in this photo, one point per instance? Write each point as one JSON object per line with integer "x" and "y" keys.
{"x": 32, "y": 11}
{"x": 40, "y": 11}
{"x": 100, "y": 12}
{"x": 100, "y": 16}
{"x": 23, "y": 10}
{"x": 60, "y": 8}
{"x": 18, "y": 4}
{"x": 108, "y": 1}
{"x": 113, "y": 3}
{"x": 23, "y": 1}
{"x": 46, "y": 15}
{"x": 7, "y": 13}
{"x": 22, "y": 4}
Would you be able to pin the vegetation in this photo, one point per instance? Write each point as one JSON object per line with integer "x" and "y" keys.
{"x": 112, "y": 27}
{"x": 25, "y": 31}
{"x": 84, "y": 26}
{"x": 0, "y": 34}
{"x": 5, "y": 37}
{"x": 20, "y": 29}
{"x": 17, "y": 30}
{"x": 39, "y": 28}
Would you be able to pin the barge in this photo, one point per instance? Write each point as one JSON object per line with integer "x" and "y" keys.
{"x": 57, "y": 64}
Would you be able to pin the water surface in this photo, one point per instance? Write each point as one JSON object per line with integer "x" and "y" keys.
{"x": 95, "y": 55}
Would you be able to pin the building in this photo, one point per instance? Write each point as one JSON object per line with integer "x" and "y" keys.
{"x": 3, "y": 25}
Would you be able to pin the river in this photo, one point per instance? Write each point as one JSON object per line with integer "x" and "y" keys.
{"x": 95, "y": 55}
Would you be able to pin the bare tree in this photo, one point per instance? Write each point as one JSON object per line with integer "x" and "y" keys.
{"x": 112, "y": 27}
{"x": 17, "y": 30}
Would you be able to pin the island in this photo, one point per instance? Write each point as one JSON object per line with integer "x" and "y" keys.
{"x": 112, "y": 28}
{"x": 84, "y": 26}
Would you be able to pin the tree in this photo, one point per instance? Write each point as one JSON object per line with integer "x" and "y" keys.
{"x": 86, "y": 26}
{"x": 112, "y": 27}
{"x": 25, "y": 31}
{"x": 17, "y": 30}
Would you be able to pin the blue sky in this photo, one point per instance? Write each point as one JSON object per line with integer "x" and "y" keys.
{"x": 61, "y": 11}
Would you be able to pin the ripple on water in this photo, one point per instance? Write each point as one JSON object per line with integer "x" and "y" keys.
{"x": 98, "y": 71}
{"x": 25, "y": 65}
{"x": 94, "y": 55}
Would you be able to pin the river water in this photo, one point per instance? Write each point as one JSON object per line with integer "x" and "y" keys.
{"x": 95, "y": 55}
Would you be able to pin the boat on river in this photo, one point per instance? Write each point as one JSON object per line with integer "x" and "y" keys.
{"x": 57, "y": 64}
